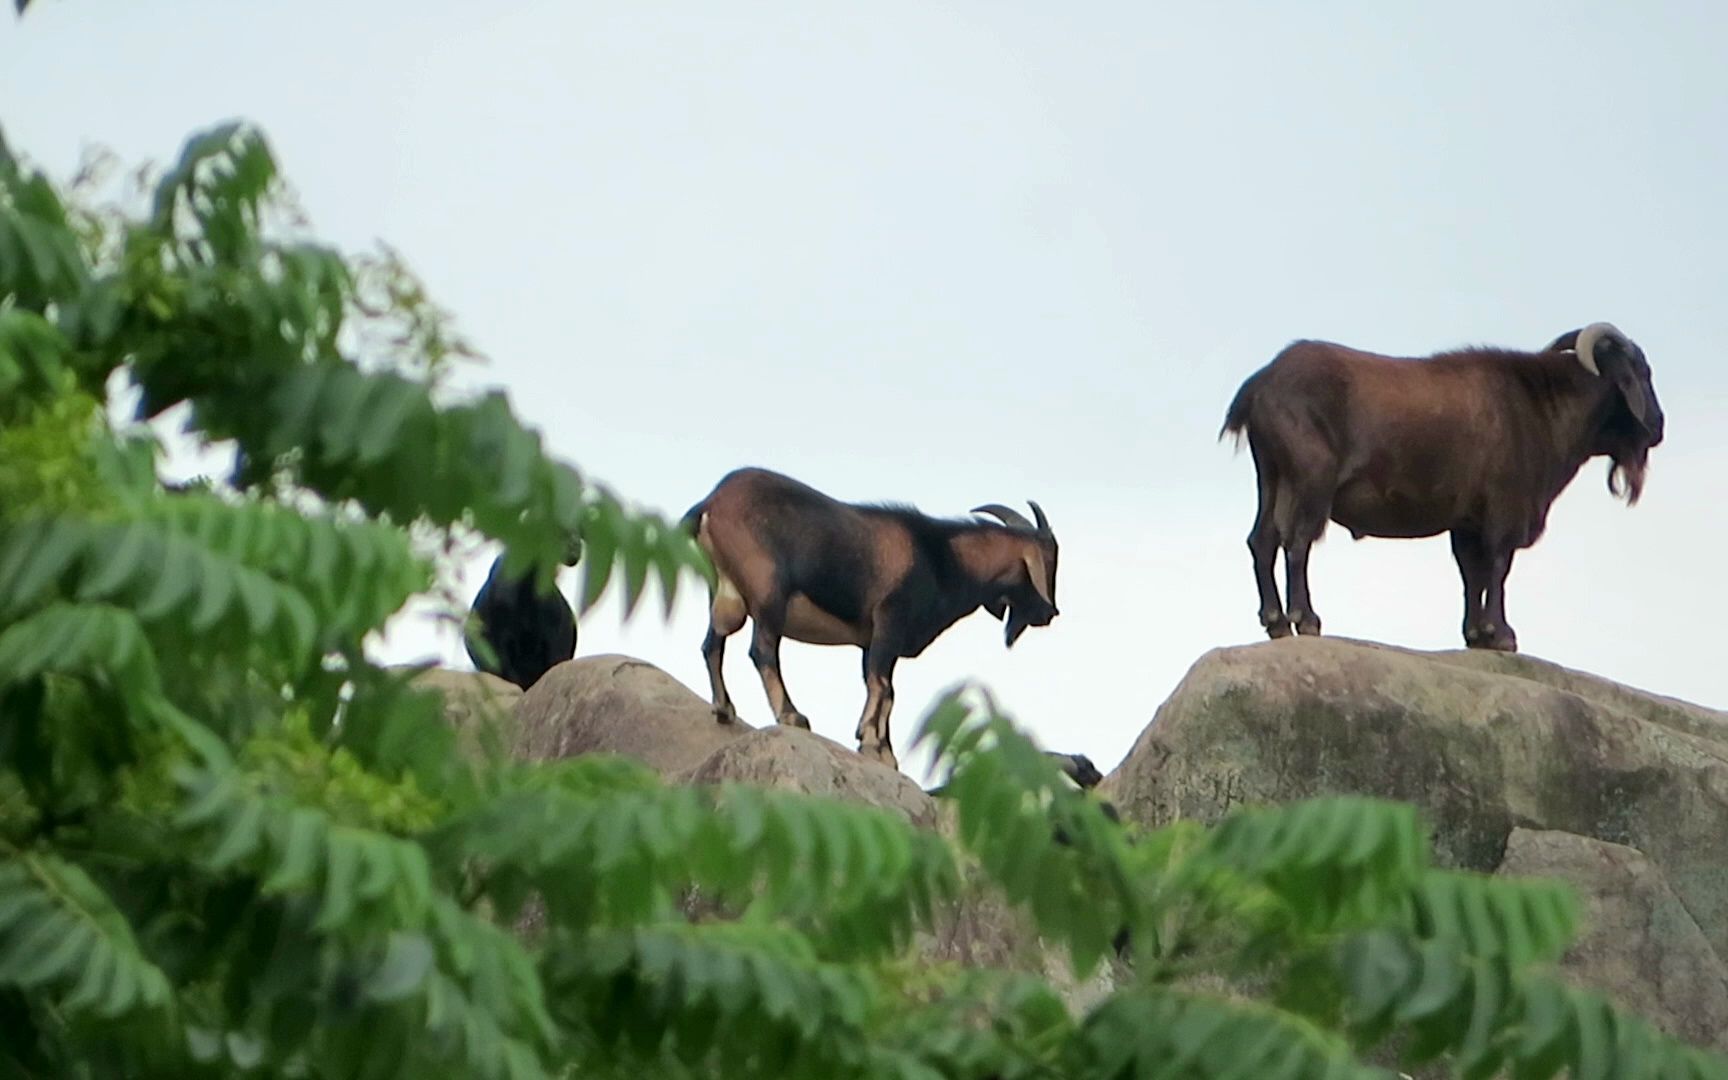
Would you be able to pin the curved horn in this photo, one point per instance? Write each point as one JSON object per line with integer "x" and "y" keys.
{"x": 1567, "y": 342}
{"x": 1038, "y": 512}
{"x": 1587, "y": 339}
{"x": 1008, "y": 516}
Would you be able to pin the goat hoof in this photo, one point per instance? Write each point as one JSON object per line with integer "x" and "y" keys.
{"x": 1500, "y": 639}
{"x": 794, "y": 719}
{"x": 725, "y": 715}
{"x": 1277, "y": 626}
{"x": 1307, "y": 623}
{"x": 879, "y": 752}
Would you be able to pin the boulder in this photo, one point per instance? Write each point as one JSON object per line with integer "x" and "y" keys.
{"x": 474, "y": 702}
{"x": 620, "y": 705}
{"x": 979, "y": 929}
{"x": 1482, "y": 745}
{"x": 1656, "y": 708}
{"x": 793, "y": 759}
{"x": 1638, "y": 944}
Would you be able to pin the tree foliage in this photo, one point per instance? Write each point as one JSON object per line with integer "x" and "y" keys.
{"x": 231, "y": 844}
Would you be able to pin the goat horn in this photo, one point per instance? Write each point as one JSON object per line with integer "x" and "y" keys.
{"x": 1567, "y": 342}
{"x": 1587, "y": 339}
{"x": 1038, "y": 512}
{"x": 1008, "y": 516}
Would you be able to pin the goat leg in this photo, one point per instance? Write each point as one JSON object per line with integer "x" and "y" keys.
{"x": 1263, "y": 543}
{"x": 872, "y": 733}
{"x": 714, "y": 655}
{"x": 1263, "y": 546}
{"x": 765, "y": 654}
{"x": 1496, "y": 634}
{"x": 1473, "y": 569}
{"x": 1296, "y": 571}
{"x": 1309, "y": 507}
{"x": 726, "y": 615}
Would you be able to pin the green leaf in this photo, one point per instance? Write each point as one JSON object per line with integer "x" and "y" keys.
{"x": 406, "y": 963}
{"x": 635, "y": 547}
{"x": 216, "y": 590}
{"x": 59, "y": 959}
{"x": 300, "y": 844}
{"x": 120, "y": 564}
{"x": 395, "y": 403}
{"x": 240, "y": 839}
{"x": 33, "y": 556}
{"x": 343, "y": 864}
{"x": 599, "y": 546}
{"x": 176, "y": 577}
{"x": 1441, "y": 980}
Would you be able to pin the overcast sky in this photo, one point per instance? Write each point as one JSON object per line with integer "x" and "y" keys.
{"x": 954, "y": 253}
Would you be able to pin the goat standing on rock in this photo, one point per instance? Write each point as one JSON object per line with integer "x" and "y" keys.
{"x": 886, "y": 579}
{"x": 1476, "y": 442}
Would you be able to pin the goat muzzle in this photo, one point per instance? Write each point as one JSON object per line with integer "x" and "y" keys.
{"x": 1018, "y": 622}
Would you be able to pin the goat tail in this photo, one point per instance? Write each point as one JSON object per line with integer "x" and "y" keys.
{"x": 692, "y": 518}
{"x": 1237, "y": 415}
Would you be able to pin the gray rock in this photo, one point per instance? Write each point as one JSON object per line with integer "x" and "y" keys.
{"x": 1638, "y": 944}
{"x": 792, "y": 759}
{"x": 479, "y": 706}
{"x": 1482, "y": 745}
{"x": 620, "y": 705}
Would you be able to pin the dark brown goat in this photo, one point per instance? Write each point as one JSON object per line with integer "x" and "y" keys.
{"x": 1476, "y": 442}
{"x": 886, "y": 579}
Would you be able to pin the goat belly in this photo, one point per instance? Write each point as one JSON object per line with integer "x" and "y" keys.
{"x": 1392, "y": 513}
{"x": 810, "y": 624}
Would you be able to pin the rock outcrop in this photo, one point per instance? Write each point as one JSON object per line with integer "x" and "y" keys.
{"x": 1492, "y": 748}
{"x": 620, "y": 705}
{"x": 1520, "y": 767}
{"x": 476, "y": 703}
{"x": 1638, "y": 943}
{"x": 793, "y": 759}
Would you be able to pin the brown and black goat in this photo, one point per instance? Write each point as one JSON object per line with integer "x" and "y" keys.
{"x": 887, "y": 579}
{"x": 1477, "y": 442}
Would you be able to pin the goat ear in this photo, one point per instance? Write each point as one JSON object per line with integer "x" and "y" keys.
{"x": 1632, "y": 392}
{"x": 1034, "y": 558}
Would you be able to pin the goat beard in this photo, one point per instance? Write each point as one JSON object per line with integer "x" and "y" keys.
{"x": 1626, "y": 476}
{"x": 1017, "y": 625}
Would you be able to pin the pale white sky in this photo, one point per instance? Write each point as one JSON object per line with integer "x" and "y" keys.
{"x": 954, "y": 253}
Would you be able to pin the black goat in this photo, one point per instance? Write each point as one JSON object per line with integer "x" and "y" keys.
{"x": 1079, "y": 769}
{"x": 886, "y": 579}
{"x": 1475, "y": 442}
{"x": 528, "y": 630}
